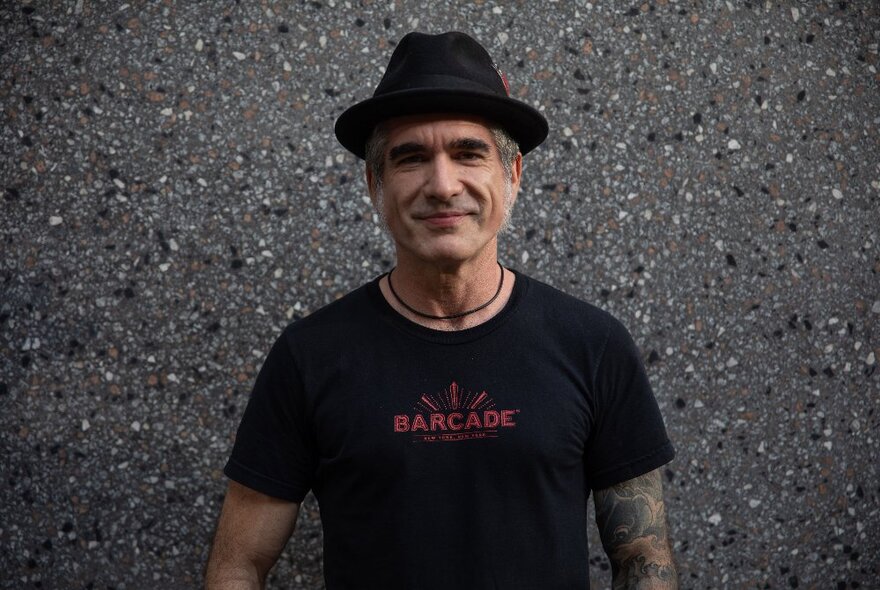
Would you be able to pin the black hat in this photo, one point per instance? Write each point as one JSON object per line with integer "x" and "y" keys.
{"x": 441, "y": 74}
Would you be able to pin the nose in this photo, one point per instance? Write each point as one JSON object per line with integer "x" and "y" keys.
{"x": 442, "y": 182}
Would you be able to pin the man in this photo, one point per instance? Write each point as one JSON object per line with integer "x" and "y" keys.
{"x": 453, "y": 415}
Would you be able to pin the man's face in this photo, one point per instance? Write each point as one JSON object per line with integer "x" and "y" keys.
{"x": 444, "y": 193}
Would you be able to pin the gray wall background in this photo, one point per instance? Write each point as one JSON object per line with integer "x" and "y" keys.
{"x": 173, "y": 195}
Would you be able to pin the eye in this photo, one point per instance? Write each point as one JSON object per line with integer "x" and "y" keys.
{"x": 470, "y": 156}
{"x": 411, "y": 159}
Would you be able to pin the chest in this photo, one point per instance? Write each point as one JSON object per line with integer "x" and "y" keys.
{"x": 433, "y": 413}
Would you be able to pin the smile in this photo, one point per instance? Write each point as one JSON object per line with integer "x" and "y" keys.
{"x": 444, "y": 218}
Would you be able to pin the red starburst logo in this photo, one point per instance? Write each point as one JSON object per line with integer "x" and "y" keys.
{"x": 454, "y": 415}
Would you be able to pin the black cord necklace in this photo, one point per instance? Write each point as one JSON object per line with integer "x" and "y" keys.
{"x": 446, "y": 317}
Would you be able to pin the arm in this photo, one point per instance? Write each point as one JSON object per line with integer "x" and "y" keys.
{"x": 635, "y": 534}
{"x": 252, "y": 531}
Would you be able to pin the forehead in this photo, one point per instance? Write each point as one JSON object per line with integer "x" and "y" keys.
{"x": 436, "y": 130}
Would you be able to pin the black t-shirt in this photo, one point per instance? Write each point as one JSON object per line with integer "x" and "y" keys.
{"x": 451, "y": 459}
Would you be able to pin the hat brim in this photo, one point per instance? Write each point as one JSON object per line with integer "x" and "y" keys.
{"x": 524, "y": 123}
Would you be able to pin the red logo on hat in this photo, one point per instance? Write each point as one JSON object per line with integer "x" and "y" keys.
{"x": 503, "y": 79}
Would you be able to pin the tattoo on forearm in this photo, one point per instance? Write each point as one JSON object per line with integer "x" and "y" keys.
{"x": 632, "y": 523}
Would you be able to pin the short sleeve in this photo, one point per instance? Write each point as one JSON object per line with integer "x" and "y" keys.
{"x": 628, "y": 437}
{"x": 274, "y": 449}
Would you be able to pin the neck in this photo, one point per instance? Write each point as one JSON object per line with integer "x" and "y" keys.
{"x": 448, "y": 290}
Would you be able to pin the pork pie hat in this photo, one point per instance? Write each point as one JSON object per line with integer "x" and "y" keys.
{"x": 447, "y": 73}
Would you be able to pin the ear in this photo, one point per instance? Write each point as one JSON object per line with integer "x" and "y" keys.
{"x": 516, "y": 174}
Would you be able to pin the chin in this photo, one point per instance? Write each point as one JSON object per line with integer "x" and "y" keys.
{"x": 445, "y": 257}
{"x": 450, "y": 254}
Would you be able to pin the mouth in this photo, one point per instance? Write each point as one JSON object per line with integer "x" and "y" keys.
{"x": 444, "y": 218}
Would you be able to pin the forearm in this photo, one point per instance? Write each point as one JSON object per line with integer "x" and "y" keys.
{"x": 231, "y": 569}
{"x": 251, "y": 533}
{"x": 644, "y": 570}
{"x": 231, "y": 577}
{"x": 635, "y": 534}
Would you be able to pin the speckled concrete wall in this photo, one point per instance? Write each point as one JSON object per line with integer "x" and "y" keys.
{"x": 173, "y": 195}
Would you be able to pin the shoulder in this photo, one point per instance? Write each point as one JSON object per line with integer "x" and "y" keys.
{"x": 346, "y": 312}
{"x": 565, "y": 311}
{"x": 593, "y": 338}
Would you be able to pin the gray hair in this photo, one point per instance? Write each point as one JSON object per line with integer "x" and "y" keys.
{"x": 378, "y": 141}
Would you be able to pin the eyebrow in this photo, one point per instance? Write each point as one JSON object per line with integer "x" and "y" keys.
{"x": 403, "y": 149}
{"x": 464, "y": 143}
{"x": 470, "y": 144}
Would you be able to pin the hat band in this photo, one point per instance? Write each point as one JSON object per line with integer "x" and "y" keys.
{"x": 441, "y": 82}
